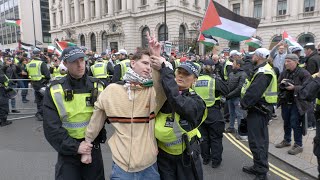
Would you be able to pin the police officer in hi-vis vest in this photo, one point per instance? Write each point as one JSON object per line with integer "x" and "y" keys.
{"x": 39, "y": 75}
{"x": 259, "y": 93}
{"x": 4, "y": 99}
{"x": 99, "y": 70}
{"x": 68, "y": 106}
{"x": 122, "y": 67}
{"x": 211, "y": 89}
{"x": 177, "y": 124}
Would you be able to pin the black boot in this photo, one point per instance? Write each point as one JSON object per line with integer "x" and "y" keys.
{"x": 4, "y": 122}
{"x": 39, "y": 117}
{"x": 249, "y": 170}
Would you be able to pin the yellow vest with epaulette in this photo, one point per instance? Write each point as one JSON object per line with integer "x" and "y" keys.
{"x": 318, "y": 101}
{"x": 34, "y": 70}
{"x": 75, "y": 114}
{"x": 58, "y": 77}
{"x": 170, "y": 138}
{"x": 56, "y": 72}
{"x": 99, "y": 70}
{"x": 205, "y": 88}
{"x": 271, "y": 93}
{"x": 124, "y": 65}
{"x": 177, "y": 63}
{"x": 6, "y": 83}
{"x": 225, "y": 73}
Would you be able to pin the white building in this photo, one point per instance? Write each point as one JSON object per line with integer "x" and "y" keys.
{"x": 300, "y": 18}
{"x": 116, "y": 24}
{"x": 28, "y": 32}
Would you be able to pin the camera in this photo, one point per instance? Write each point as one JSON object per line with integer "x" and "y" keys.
{"x": 285, "y": 84}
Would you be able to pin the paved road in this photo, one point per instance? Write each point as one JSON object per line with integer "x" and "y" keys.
{"x": 26, "y": 155}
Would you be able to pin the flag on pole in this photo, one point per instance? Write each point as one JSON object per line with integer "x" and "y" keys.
{"x": 221, "y": 22}
{"x": 290, "y": 40}
{"x": 26, "y": 46}
{"x": 52, "y": 49}
{"x": 253, "y": 42}
{"x": 61, "y": 45}
{"x": 208, "y": 40}
{"x": 13, "y": 22}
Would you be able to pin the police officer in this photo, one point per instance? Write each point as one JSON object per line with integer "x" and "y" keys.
{"x": 68, "y": 106}
{"x": 210, "y": 90}
{"x": 309, "y": 92}
{"x": 99, "y": 70}
{"x": 177, "y": 124}
{"x": 55, "y": 68}
{"x": 122, "y": 67}
{"x": 39, "y": 75}
{"x": 4, "y": 99}
{"x": 259, "y": 93}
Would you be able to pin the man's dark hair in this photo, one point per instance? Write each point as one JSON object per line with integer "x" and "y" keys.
{"x": 141, "y": 51}
{"x": 240, "y": 62}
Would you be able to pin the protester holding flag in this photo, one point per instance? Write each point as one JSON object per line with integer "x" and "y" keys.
{"x": 278, "y": 54}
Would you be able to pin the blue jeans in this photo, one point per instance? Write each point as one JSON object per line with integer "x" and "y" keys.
{"x": 148, "y": 173}
{"x": 292, "y": 120}
{"x": 235, "y": 111}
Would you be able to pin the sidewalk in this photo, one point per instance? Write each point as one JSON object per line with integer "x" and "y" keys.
{"x": 305, "y": 161}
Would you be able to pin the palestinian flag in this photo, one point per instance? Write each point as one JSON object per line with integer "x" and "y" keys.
{"x": 221, "y": 22}
{"x": 52, "y": 49}
{"x": 13, "y": 22}
{"x": 26, "y": 46}
{"x": 253, "y": 42}
{"x": 208, "y": 40}
{"x": 61, "y": 45}
{"x": 290, "y": 40}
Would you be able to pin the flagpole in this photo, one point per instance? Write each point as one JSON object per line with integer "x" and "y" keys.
{"x": 34, "y": 27}
{"x": 165, "y": 20}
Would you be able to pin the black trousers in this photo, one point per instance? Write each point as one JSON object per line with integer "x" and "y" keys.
{"x": 316, "y": 145}
{"x": 71, "y": 168}
{"x": 258, "y": 137}
{"x": 211, "y": 145}
{"x": 39, "y": 101}
{"x": 4, "y": 105}
{"x": 178, "y": 167}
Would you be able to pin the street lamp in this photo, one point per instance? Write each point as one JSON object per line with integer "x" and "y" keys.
{"x": 34, "y": 27}
{"x": 165, "y": 20}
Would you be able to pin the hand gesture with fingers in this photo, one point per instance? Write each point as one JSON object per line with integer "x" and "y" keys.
{"x": 154, "y": 45}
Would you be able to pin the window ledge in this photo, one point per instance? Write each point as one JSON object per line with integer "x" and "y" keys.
{"x": 281, "y": 17}
{"x": 143, "y": 7}
{"x": 184, "y": 3}
{"x": 308, "y": 14}
{"x": 196, "y": 6}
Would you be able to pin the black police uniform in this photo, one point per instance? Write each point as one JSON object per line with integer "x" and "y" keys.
{"x": 212, "y": 129}
{"x": 191, "y": 108}
{"x": 257, "y": 122}
{"x": 309, "y": 92}
{"x": 69, "y": 164}
{"x": 4, "y": 100}
{"x": 37, "y": 85}
{"x": 117, "y": 73}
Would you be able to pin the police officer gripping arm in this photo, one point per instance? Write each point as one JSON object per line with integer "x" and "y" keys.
{"x": 68, "y": 106}
{"x": 177, "y": 124}
{"x": 4, "y": 99}
{"x": 258, "y": 96}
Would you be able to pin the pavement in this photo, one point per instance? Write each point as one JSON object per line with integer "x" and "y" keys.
{"x": 305, "y": 161}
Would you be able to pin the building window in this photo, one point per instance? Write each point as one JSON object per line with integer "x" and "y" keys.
{"x": 54, "y": 19}
{"x": 236, "y": 8}
{"x": 93, "y": 42}
{"x": 119, "y": 5}
{"x": 162, "y": 36}
{"x": 305, "y": 38}
{"x": 82, "y": 40}
{"x": 114, "y": 28}
{"x": 82, "y": 12}
{"x": 106, "y": 7}
{"x": 93, "y": 8}
{"x": 182, "y": 38}
{"x": 144, "y": 40}
{"x": 61, "y": 17}
{"x": 196, "y": 2}
{"x": 234, "y": 45}
{"x": 257, "y": 9}
{"x": 104, "y": 41}
{"x": 275, "y": 41}
{"x": 72, "y": 19}
{"x": 143, "y": 2}
{"x": 207, "y": 3}
{"x": 114, "y": 47}
{"x": 282, "y": 7}
{"x": 309, "y": 5}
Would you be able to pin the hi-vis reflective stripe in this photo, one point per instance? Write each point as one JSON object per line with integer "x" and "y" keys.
{"x": 60, "y": 106}
{"x": 75, "y": 125}
{"x": 211, "y": 96}
{"x": 178, "y": 141}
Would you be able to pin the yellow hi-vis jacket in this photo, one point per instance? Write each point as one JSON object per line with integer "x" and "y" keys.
{"x": 205, "y": 88}
{"x": 99, "y": 70}
{"x": 225, "y": 73}
{"x": 124, "y": 64}
{"x": 34, "y": 70}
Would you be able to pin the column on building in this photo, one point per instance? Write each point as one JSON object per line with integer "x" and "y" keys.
{"x": 103, "y": 7}
{"x": 76, "y": 11}
{"x": 110, "y": 7}
{"x": 58, "y": 18}
{"x": 86, "y": 10}
{"x": 129, "y": 5}
{"x": 267, "y": 10}
{"x": 98, "y": 9}
{"x": 67, "y": 11}
{"x": 124, "y": 5}
{"x": 293, "y": 8}
{"x": 245, "y": 7}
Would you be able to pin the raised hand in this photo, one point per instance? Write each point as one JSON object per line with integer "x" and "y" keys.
{"x": 154, "y": 45}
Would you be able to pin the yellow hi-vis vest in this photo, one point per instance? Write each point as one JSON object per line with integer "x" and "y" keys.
{"x": 75, "y": 114}
{"x": 271, "y": 93}
{"x": 225, "y": 73}
{"x": 16, "y": 61}
{"x": 34, "y": 70}
{"x": 198, "y": 66}
{"x": 56, "y": 72}
{"x": 170, "y": 138}
{"x": 124, "y": 64}
{"x": 205, "y": 88}
{"x": 318, "y": 101}
{"x": 58, "y": 77}
{"x": 177, "y": 63}
{"x": 99, "y": 70}
{"x": 6, "y": 83}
